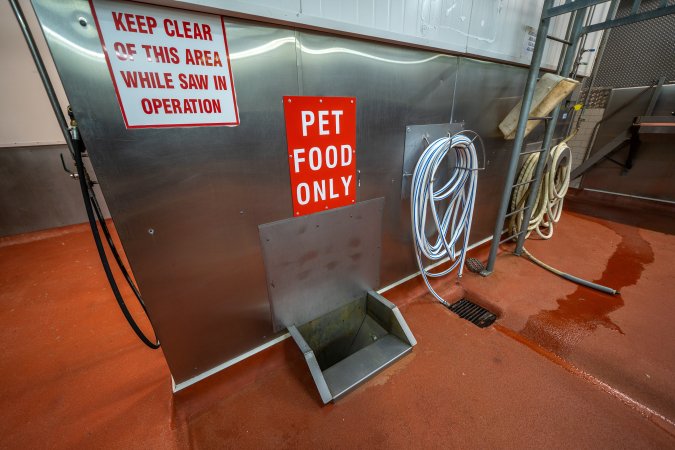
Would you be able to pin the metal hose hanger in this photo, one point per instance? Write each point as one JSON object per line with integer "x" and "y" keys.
{"x": 454, "y": 200}
{"x": 76, "y": 148}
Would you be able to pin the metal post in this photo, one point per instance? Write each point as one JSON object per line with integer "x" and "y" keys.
{"x": 548, "y": 135}
{"x": 42, "y": 71}
{"x": 611, "y": 14}
{"x": 537, "y": 55}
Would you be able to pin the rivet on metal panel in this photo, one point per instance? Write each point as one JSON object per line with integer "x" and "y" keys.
{"x": 151, "y": 231}
{"x": 82, "y": 21}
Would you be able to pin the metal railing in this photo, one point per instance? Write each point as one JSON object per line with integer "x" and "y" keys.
{"x": 578, "y": 10}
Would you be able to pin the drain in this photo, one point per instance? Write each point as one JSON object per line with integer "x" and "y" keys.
{"x": 475, "y": 314}
{"x": 474, "y": 265}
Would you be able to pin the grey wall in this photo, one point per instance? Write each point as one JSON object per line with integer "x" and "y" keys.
{"x": 636, "y": 56}
{"x": 653, "y": 169}
{"x": 35, "y": 192}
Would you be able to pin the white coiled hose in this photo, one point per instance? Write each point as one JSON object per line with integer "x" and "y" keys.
{"x": 550, "y": 196}
{"x": 457, "y": 195}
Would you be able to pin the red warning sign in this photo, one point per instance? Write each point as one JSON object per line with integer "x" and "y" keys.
{"x": 321, "y": 137}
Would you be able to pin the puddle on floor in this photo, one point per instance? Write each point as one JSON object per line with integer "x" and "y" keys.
{"x": 581, "y": 312}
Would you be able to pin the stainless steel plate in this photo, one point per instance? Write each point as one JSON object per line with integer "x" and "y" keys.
{"x": 418, "y": 138}
{"x": 320, "y": 262}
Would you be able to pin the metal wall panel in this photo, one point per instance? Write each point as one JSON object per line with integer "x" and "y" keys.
{"x": 35, "y": 192}
{"x": 653, "y": 169}
{"x": 320, "y": 262}
{"x": 395, "y": 87}
{"x": 204, "y": 191}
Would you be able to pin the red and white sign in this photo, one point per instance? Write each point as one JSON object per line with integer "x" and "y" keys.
{"x": 170, "y": 67}
{"x": 321, "y": 137}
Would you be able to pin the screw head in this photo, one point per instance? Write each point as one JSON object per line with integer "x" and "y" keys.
{"x": 82, "y": 21}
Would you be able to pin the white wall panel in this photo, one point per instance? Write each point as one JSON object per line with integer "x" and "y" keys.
{"x": 28, "y": 118}
{"x": 498, "y": 28}
{"x": 491, "y": 28}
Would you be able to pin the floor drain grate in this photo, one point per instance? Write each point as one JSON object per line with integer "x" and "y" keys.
{"x": 473, "y": 313}
{"x": 474, "y": 265}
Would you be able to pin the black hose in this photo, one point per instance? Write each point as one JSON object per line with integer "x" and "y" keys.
{"x": 76, "y": 147}
{"x": 113, "y": 248}
{"x": 85, "y": 188}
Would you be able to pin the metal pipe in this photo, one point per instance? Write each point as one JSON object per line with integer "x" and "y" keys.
{"x": 76, "y": 148}
{"x": 611, "y": 14}
{"x": 566, "y": 48}
{"x": 42, "y": 71}
{"x": 557, "y": 39}
{"x": 532, "y": 75}
{"x": 550, "y": 129}
{"x": 569, "y": 7}
{"x": 582, "y": 45}
{"x": 631, "y": 18}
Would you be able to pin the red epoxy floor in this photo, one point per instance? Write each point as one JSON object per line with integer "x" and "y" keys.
{"x": 564, "y": 366}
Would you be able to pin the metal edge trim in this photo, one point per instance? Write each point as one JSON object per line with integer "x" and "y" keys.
{"x": 313, "y": 364}
{"x": 432, "y": 266}
{"x": 671, "y": 202}
{"x": 362, "y": 380}
{"x": 226, "y": 364}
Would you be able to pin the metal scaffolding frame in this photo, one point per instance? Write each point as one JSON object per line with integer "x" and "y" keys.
{"x": 578, "y": 10}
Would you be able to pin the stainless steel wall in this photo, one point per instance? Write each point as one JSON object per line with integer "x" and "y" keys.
{"x": 653, "y": 169}
{"x": 204, "y": 191}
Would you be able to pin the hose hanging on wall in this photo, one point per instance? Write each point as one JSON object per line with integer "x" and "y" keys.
{"x": 554, "y": 184}
{"x": 457, "y": 196}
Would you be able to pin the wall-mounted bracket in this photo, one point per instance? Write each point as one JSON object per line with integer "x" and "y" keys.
{"x": 418, "y": 138}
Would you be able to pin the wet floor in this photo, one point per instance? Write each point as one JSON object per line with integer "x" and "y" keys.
{"x": 585, "y": 309}
{"x": 563, "y": 366}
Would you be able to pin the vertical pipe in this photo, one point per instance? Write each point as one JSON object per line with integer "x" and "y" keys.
{"x": 564, "y": 48}
{"x": 548, "y": 135}
{"x": 535, "y": 63}
{"x": 611, "y": 14}
{"x": 42, "y": 71}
